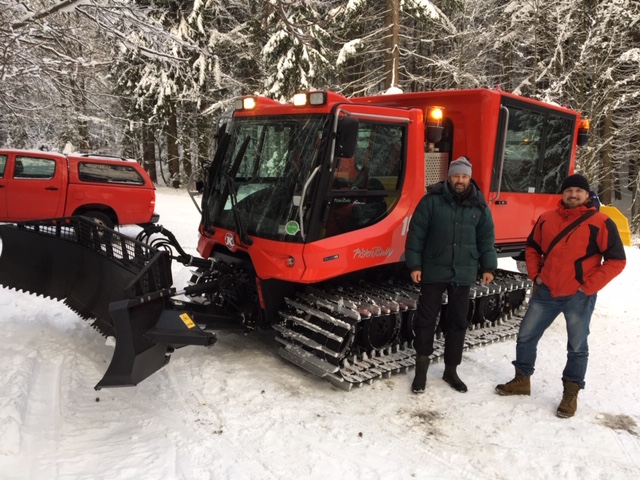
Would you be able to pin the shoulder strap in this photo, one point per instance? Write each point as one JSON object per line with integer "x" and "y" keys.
{"x": 573, "y": 225}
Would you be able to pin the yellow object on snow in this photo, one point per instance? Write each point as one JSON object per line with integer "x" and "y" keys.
{"x": 621, "y": 222}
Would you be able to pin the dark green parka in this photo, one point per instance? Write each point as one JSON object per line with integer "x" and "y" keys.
{"x": 447, "y": 240}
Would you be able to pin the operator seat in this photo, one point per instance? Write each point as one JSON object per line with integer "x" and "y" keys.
{"x": 340, "y": 211}
{"x": 374, "y": 207}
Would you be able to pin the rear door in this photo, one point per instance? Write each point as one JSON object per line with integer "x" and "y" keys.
{"x": 34, "y": 187}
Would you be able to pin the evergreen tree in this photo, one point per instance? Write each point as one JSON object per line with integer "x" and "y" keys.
{"x": 296, "y": 54}
{"x": 605, "y": 82}
{"x": 391, "y": 44}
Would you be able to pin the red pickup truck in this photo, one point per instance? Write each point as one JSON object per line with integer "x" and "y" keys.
{"x": 36, "y": 185}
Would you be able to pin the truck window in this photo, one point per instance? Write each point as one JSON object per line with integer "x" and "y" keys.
{"x": 3, "y": 164}
{"x": 106, "y": 173}
{"x": 367, "y": 186}
{"x": 537, "y": 150}
{"x": 378, "y": 155}
{"x": 34, "y": 168}
{"x": 278, "y": 148}
{"x": 557, "y": 153}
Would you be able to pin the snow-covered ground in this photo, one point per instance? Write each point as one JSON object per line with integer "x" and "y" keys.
{"x": 238, "y": 411}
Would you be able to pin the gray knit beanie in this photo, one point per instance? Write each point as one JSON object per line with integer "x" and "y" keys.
{"x": 460, "y": 166}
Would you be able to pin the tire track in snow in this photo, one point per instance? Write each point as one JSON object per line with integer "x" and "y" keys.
{"x": 623, "y": 428}
{"x": 41, "y": 427}
{"x": 202, "y": 422}
{"x": 629, "y": 446}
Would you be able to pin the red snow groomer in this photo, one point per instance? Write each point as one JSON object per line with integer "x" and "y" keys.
{"x": 305, "y": 210}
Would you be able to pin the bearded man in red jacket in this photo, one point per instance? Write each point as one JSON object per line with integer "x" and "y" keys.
{"x": 571, "y": 254}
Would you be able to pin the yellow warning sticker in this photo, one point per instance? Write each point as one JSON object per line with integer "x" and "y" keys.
{"x": 187, "y": 320}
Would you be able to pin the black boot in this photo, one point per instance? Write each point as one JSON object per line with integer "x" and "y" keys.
{"x": 420, "y": 380}
{"x": 451, "y": 377}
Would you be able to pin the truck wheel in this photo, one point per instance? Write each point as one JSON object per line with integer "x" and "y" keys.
{"x": 100, "y": 218}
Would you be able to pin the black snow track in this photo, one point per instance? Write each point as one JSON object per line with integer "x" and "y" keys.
{"x": 354, "y": 334}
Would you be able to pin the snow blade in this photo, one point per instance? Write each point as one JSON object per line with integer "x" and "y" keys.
{"x": 77, "y": 261}
{"x": 146, "y": 334}
{"x": 121, "y": 284}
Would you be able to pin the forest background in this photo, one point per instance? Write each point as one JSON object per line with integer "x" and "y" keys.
{"x": 151, "y": 79}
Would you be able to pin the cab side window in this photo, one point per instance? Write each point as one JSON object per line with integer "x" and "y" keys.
{"x": 34, "y": 168}
{"x": 557, "y": 153}
{"x": 3, "y": 165}
{"x": 537, "y": 150}
{"x": 366, "y": 187}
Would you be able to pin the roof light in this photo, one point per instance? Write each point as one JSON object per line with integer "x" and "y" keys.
{"x": 433, "y": 127}
{"x": 318, "y": 98}
{"x": 583, "y": 132}
{"x": 249, "y": 103}
{"x": 309, "y": 98}
{"x": 435, "y": 115}
{"x": 245, "y": 103}
{"x": 300, "y": 99}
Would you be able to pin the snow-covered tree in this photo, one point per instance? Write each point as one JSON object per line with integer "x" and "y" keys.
{"x": 605, "y": 80}
{"x": 407, "y": 44}
{"x": 52, "y": 69}
{"x": 152, "y": 76}
{"x": 202, "y": 68}
{"x": 296, "y": 54}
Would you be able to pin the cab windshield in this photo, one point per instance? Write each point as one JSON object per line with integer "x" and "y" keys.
{"x": 259, "y": 183}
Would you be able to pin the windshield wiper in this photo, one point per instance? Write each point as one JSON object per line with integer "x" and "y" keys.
{"x": 211, "y": 174}
{"x": 301, "y": 201}
{"x": 230, "y": 189}
{"x": 231, "y": 185}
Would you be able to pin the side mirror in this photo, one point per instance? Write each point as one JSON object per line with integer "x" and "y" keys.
{"x": 433, "y": 124}
{"x": 346, "y": 137}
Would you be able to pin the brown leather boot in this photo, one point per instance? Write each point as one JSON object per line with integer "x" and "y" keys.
{"x": 520, "y": 385}
{"x": 569, "y": 403}
{"x": 420, "y": 380}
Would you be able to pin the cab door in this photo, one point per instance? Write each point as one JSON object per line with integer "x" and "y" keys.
{"x": 538, "y": 145}
{"x": 34, "y": 187}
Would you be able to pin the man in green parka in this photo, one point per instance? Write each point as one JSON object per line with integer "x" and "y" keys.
{"x": 451, "y": 237}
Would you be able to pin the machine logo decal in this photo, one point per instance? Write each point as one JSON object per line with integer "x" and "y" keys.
{"x": 230, "y": 241}
{"x": 375, "y": 252}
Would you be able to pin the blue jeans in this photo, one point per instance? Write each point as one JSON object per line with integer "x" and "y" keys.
{"x": 543, "y": 310}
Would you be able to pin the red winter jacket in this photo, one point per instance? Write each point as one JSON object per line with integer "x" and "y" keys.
{"x": 576, "y": 260}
